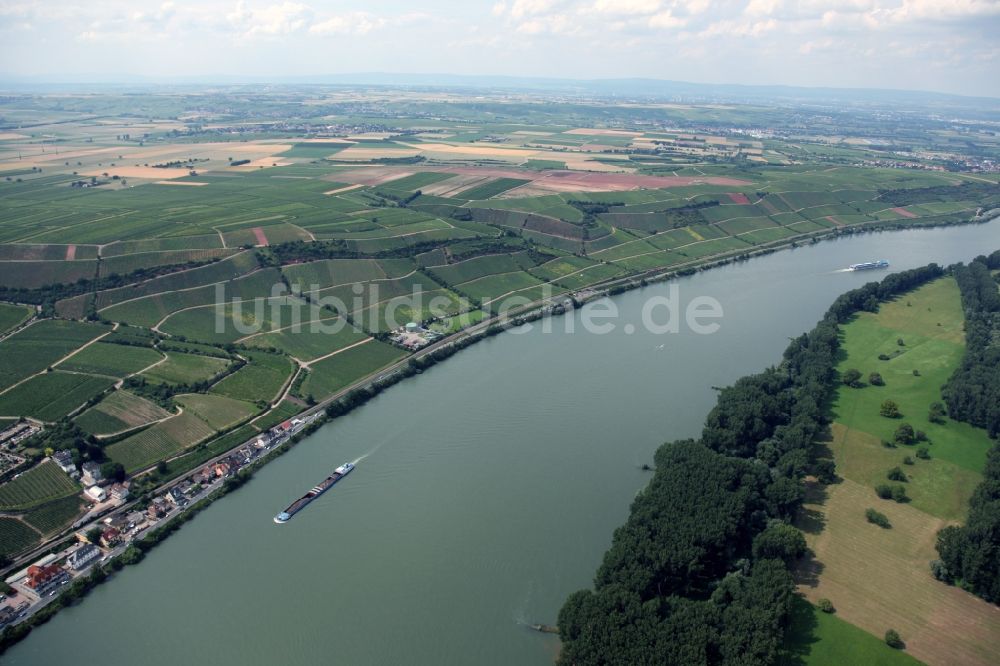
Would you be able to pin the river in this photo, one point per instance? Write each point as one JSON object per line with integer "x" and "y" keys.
{"x": 488, "y": 490}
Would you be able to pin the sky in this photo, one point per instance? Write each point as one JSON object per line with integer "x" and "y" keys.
{"x": 937, "y": 45}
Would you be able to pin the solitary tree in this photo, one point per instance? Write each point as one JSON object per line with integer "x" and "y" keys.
{"x": 936, "y": 413}
{"x": 893, "y": 640}
{"x": 875, "y": 379}
{"x": 890, "y": 409}
{"x": 904, "y": 434}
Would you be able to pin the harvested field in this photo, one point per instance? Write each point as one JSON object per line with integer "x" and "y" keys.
{"x": 738, "y": 198}
{"x": 120, "y": 411}
{"x": 179, "y": 182}
{"x": 879, "y": 578}
{"x": 258, "y": 233}
{"x": 148, "y": 173}
{"x": 903, "y": 212}
{"x": 588, "y": 131}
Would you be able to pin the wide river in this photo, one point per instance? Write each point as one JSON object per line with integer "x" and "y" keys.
{"x": 488, "y": 490}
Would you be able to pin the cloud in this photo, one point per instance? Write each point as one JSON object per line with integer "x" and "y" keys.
{"x": 270, "y": 20}
{"x": 625, "y": 7}
{"x": 666, "y": 20}
{"x": 358, "y": 23}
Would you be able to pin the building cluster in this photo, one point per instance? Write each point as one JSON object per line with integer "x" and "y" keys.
{"x": 413, "y": 336}
{"x": 17, "y": 433}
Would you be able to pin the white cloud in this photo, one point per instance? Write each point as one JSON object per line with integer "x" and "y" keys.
{"x": 270, "y": 20}
{"x": 523, "y": 8}
{"x": 666, "y": 20}
{"x": 358, "y": 23}
{"x": 625, "y": 7}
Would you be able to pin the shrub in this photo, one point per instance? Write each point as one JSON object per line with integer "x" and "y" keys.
{"x": 852, "y": 377}
{"x": 940, "y": 571}
{"x": 907, "y": 460}
{"x": 875, "y": 379}
{"x": 936, "y": 413}
{"x": 890, "y": 409}
{"x": 825, "y": 470}
{"x": 825, "y": 605}
{"x": 899, "y": 341}
{"x": 916, "y": 373}
{"x": 876, "y": 518}
{"x": 899, "y": 494}
{"x": 923, "y": 453}
{"x": 883, "y": 357}
{"x": 884, "y": 491}
{"x": 920, "y": 436}
{"x": 904, "y": 434}
{"x": 893, "y": 640}
{"x": 896, "y": 474}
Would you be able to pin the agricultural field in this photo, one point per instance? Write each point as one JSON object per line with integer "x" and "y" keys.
{"x": 119, "y": 411}
{"x": 218, "y": 411}
{"x": 38, "y": 346}
{"x": 52, "y": 395}
{"x": 16, "y": 536}
{"x": 333, "y": 373}
{"x": 12, "y": 316}
{"x": 181, "y": 368}
{"x": 879, "y": 578}
{"x": 112, "y": 360}
{"x": 430, "y": 198}
{"x": 261, "y": 379}
{"x": 38, "y": 485}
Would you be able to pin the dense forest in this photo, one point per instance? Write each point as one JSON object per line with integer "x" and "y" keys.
{"x": 970, "y": 555}
{"x": 700, "y": 572}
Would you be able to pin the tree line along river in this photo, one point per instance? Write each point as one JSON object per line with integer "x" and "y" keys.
{"x": 487, "y": 488}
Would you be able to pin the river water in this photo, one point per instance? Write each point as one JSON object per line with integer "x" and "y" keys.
{"x": 488, "y": 490}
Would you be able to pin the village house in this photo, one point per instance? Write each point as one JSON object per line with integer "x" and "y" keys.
{"x": 119, "y": 492}
{"x": 110, "y": 537}
{"x": 65, "y": 461}
{"x": 96, "y": 493}
{"x": 83, "y": 556}
{"x": 91, "y": 474}
{"x": 41, "y": 579}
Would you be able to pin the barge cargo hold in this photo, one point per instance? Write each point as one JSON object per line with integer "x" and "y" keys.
{"x": 313, "y": 493}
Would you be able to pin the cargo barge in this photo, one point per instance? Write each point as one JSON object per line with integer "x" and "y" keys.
{"x": 313, "y": 493}
{"x": 869, "y": 265}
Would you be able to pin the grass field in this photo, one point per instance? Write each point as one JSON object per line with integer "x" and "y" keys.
{"x": 929, "y": 321}
{"x": 814, "y": 638}
{"x": 38, "y": 485}
{"x": 52, "y": 395}
{"x": 879, "y": 578}
{"x": 12, "y": 315}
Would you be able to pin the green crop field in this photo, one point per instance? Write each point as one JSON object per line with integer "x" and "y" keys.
{"x": 38, "y": 485}
{"x": 36, "y": 347}
{"x": 218, "y": 411}
{"x": 15, "y": 536}
{"x": 119, "y": 411}
{"x": 102, "y": 358}
{"x": 159, "y": 441}
{"x": 490, "y": 189}
{"x": 181, "y": 368}
{"x": 312, "y": 340}
{"x": 334, "y": 373}
{"x": 52, "y": 395}
{"x": 260, "y": 379}
{"x": 56, "y": 515}
{"x": 12, "y": 316}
